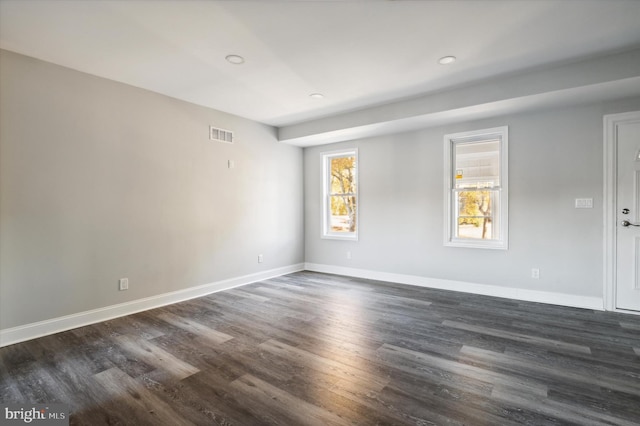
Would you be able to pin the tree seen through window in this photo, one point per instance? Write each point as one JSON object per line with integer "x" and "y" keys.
{"x": 343, "y": 194}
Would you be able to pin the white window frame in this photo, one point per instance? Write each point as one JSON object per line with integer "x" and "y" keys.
{"x": 450, "y": 211}
{"x": 326, "y": 185}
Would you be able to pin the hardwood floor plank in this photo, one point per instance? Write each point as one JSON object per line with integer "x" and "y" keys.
{"x": 37, "y": 384}
{"x": 198, "y": 353}
{"x": 68, "y": 368}
{"x": 471, "y": 371}
{"x": 207, "y": 399}
{"x": 153, "y": 355}
{"x": 140, "y": 406}
{"x": 133, "y": 325}
{"x": 556, "y": 344}
{"x": 9, "y": 390}
{"x": 554, "y": 409}
{"x": 592, "y": 335}
{"x": 282, "y": 403}
{"x": 547, "y": 372}
{"x": 248, "y": 295}
{"x": 196, "y": 328}
{"x": 415, "y": 403}
{"x": 372, "y": 381}
{"x": 630, "y": 325}
{"x": 601, "y": 400}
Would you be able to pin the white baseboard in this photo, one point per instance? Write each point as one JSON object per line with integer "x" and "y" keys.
{"x": 595, "y": 303}
{"x": 22, "y": 333}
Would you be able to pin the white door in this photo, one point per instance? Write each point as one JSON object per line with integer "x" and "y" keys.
{"x": 627, "y": 285}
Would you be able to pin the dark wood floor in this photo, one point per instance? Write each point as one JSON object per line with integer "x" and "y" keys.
{"x": 315, "y": 349}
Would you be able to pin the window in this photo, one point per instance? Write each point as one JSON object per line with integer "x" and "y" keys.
{"x": 476, "y": 195}
{"x": 340, "y": 198}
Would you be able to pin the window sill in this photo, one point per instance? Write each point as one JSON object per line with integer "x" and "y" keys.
{"x": 347, "y": 237}
{"x": 492, "y": 245}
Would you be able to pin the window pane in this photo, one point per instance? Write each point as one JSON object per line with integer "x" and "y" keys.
{"x": 343, "y": 213}
{"x": 475, "y": 216}
{"x": 477, "y": 164}
{"x": 343, "y": 172}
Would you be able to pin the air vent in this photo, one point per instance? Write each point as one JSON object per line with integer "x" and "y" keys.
{"x": 220, "y": 135}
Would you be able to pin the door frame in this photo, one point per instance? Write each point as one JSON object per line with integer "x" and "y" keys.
{"x": 610, "y": 208}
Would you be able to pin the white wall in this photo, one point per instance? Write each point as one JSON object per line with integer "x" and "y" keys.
{"x": 100, "y": 181}
{"x": 555, "y": 156}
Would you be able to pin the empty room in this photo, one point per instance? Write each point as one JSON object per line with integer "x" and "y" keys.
{"x": 384, "y": 212}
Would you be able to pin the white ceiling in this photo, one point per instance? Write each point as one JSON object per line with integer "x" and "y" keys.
{"x": 359, "y": 54}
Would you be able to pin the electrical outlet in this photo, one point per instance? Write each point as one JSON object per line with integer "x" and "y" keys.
{"x": 535, "y": 273}
{"x": 260, "y": 258}
{"x": 349, "y": 255}
{"x": 123, "y": 284}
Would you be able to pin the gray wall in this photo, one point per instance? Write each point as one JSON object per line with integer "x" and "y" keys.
{"x": 100, "y": 181}
{"x": 555, "y": 156}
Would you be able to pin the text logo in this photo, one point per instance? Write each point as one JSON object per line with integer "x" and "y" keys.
{"x": 36, "y": 414}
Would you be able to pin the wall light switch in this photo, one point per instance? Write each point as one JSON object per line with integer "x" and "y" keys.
{"x": 584, "y": 203}
{"x": 231, "y": 164}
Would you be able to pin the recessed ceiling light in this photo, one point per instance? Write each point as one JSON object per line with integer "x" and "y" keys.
{"x": 316, "y": 95}
{"x": 446, "y": 60}
{"x": 235, "y": 59}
